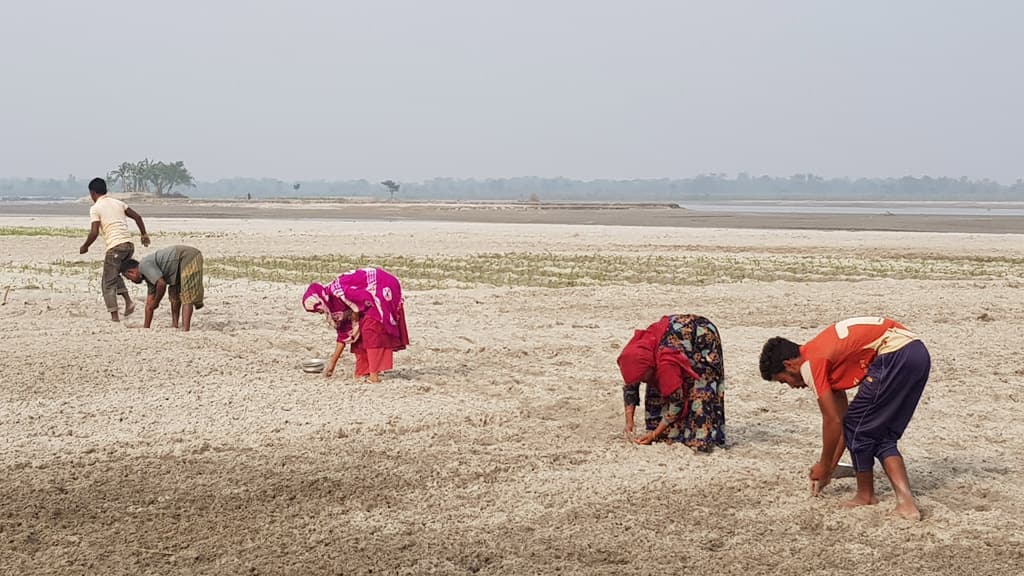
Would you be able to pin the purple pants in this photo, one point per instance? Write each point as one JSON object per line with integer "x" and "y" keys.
{"x": 882, "y": 408}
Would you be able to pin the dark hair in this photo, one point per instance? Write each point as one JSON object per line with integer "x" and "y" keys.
{"x": 776, "y": 351}
{"x": 128, "y": 265}
{"x": 98, "y": 186}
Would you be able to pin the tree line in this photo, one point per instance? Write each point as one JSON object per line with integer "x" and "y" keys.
{"x": 707, "y": 187}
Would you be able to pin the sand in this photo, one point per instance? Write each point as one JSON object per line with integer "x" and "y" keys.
{"x": 494, "y": 447}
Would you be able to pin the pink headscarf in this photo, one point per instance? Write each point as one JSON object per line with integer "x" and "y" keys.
{"x": 315, "y": 298}
{"x": 318, "y": 299}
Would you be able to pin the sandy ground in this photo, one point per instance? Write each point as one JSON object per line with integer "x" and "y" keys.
{"x": 495, "y": 447}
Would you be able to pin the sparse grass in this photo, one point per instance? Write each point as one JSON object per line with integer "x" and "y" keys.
{"x": 68, "y": 232}
{"x": 187, "y": 234}
{"x": 79, "y": 267}
{"x": 42, "y": 231}
{"x": 549, "y": 270}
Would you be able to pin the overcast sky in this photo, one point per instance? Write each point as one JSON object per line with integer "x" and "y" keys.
{"x": 481, "y": 88}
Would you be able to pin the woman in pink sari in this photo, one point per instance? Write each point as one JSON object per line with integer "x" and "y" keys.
{"x": 366, "y": 308}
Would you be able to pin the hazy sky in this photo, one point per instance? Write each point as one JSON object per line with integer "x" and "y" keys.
{"x": 481, "y": 88}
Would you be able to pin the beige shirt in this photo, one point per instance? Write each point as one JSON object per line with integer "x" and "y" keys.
{"x": 110, "y": 213}
{"x": 893, "y": 340}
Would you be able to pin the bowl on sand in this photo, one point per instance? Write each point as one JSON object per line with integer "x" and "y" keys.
{"x": 313, "y": 365}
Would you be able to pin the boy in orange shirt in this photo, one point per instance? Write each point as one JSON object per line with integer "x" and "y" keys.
{"x": 891, "y": 367}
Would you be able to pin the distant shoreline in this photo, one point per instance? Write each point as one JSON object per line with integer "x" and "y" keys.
{"x": 662, "y": 214}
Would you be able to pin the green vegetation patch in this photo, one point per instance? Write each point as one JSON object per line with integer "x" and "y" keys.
{"x": 552, "y": 270}
{"x": 42, "y": 231}
{"x": 549, "y": 270}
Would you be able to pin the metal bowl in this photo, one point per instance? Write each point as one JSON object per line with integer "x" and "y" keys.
{"x": 313, "y": 365}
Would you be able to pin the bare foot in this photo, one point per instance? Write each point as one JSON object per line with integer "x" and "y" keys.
{"x": 907, "y": 511}
{"x": 129, "y": 307}
{"x": 859, "y": 500}
{"x": 374, "y": 378}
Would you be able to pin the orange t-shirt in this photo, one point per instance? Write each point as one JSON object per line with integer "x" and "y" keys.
{"x": 838, "y": 358}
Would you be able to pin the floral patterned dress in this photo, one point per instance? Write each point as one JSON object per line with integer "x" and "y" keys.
{"x": 695, "y": 413}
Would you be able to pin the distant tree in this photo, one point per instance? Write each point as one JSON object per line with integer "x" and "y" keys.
{"x": 123, "y": 175}
{"x": 392, "y": 187}
{"x": 139, "y": 176}
{"x": 163, "y": 177}
{"x": 296, "y": 186}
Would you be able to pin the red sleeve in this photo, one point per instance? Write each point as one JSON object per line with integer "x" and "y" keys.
{"x": 669, "y": 376}
{"x": 673, "y": 371}
{"x": 815, "y": 374}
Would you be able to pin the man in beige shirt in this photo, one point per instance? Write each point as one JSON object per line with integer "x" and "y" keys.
{"x": 109, "y": 217}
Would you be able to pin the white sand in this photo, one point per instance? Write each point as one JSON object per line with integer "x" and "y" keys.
{"x": 494, "y": 447}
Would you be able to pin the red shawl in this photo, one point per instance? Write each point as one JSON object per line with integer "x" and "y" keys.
{"x": 643, "y": 359}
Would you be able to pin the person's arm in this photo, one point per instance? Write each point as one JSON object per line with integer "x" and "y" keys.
{"x": 667, "y": 376}
{"x": 138, "y": 222}
{"x": 630, "y": 400}
{"x": 329, "y": 370}
{"x": 150, "y": 307}
{"x": 153, "y": 301}
{"x": 833, "y": 407}
{"x": 653, "y": 434}
{"x": 351, "y": 334}
{"x": 843, "y": 403}
{"x": 675, "y": 404}
{"x": 94, "y": 233}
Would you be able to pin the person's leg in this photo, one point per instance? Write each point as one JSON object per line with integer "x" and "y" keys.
{"x": 125, "y": 251}
{"x": 865, "y": 495}
{"x": 897, "y": 473}
{"x": 112, "y": 284}
{"x": 862, "y": 427}
{"x": 707, "y": 359}
{"x": 380, "y": 360}
{"x": 362, "y": 363}
{"x": 175, "y": 298}
{"x": 186, "y": 317}
{"x": 129, "y": 306}
{"x": 190, "y": 277}
{"x": 911, "y": 376}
